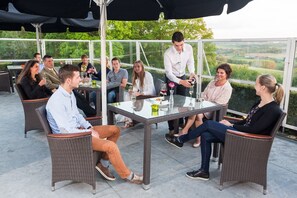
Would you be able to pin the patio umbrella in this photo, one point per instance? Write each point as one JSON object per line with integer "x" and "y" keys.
{"x": 126, "y": 10}
{"x": 13, "y": 20}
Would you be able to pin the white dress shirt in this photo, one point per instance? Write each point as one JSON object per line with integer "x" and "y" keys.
{"x": 63, "y": 115}
{"x": 175, "y": 63}
{"x": 148, "y": 85}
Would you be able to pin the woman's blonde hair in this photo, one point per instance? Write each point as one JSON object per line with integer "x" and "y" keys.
{"x": 272, "y": 86}
{"x": 138, "y": 76}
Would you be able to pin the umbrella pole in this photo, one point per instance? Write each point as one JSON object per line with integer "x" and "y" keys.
{"x": 37, "y": 37}
{"x": 103, "y": 19}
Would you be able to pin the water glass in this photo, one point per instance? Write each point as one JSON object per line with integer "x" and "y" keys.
{"x": 155, "y": 109}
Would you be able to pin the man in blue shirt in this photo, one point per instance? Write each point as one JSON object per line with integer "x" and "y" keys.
{"x": 63, "y": 117}
{"x": 116, "y": 75}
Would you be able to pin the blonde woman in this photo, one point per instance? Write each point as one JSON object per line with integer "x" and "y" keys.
{"x": 260, "y": 120}
{"x": 142, "y": 81}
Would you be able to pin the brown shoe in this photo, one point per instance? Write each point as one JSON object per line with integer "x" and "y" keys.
{"x": 105, "y": 172}
{"x": 136, "y": 179}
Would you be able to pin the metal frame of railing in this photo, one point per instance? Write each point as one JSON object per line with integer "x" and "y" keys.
{"x": 200, "y": 58}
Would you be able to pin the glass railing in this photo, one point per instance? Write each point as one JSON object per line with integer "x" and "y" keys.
{"x": 248, "y": 58}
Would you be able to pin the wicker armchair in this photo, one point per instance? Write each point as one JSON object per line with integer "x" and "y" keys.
{"x": 5, "y": 81}
{"x": 72, "y": 155}
{"x": 245, "y": 156}
{"x": 29, "y": 106}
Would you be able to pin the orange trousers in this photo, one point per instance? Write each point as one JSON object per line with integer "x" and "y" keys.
{"x": 109, "y": 148}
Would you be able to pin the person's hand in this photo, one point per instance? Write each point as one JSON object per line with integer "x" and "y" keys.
{"x": 42, "y": 82}
{"x": 95, "y": 134}
{"x": 226, "y": 122}
{"x": 137, "y": 93}
{"x": 192, "y": 75}
{"x": 185, "y": 83}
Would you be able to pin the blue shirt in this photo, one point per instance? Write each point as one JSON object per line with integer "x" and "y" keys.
{"x": 117, "y": 77}
{"x": 63, "y": 115}
{"x": 41, "y": 66}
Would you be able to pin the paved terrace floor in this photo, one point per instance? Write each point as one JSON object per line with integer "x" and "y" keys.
{"x": 25, "y": 166}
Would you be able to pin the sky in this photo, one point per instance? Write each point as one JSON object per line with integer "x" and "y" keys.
{"x": 258, "y": 19}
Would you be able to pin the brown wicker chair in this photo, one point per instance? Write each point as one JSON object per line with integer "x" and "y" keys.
{"x": 5, "y": 81}
{"x": 29, "y": 106}
{"x": 72, "y": 155}
{"x": 245, "y": 156}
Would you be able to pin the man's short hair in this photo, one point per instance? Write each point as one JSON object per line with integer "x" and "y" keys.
{"x": 67, "y": 71}
{"x": 84, "y": 56}
{"x": 35, "y": 54}
{"x": 177, "y": 37}
{"x": 116, "y": 58}
{"x": 46, "y": 56}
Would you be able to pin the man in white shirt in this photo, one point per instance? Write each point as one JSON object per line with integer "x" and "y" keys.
{"x": 37, "y": 56}
{"x": 176, "y": 59}
{"x": 63, "y": 117}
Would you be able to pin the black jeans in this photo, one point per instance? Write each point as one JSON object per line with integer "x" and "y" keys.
{"x": 180, "y": 90}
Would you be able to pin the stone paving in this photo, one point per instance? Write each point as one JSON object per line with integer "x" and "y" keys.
{"x": 25, "y": 166}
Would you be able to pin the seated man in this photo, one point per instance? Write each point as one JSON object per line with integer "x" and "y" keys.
{"x": 116, "y": 75}
{"x": 53, "y": 82}
{"x": 63, "y": 117}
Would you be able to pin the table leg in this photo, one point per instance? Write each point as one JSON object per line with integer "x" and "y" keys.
{"x": 147, "y": 157}
{"x": 11, "y": 81}
{"x": 110, "y": 117}
{"x": 215, "y": 151}
{"x": 98, "y": 102}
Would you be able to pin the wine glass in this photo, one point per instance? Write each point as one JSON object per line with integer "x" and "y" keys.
{"x": 191, "y": 91}
{"x": 163, "y": 89}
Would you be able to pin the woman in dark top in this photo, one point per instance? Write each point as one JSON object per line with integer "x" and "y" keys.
{"x": 260, "y": 120}
{"x": 31, "y": 81}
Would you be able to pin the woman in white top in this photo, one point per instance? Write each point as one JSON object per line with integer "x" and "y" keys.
{"x": 219, "y": 91}
{"x": 142, "y": 81}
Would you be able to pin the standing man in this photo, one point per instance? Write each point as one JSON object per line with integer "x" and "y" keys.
{"x": 116, "y": 75}
{"x": 176, "y": 59}
{"x": 52, "y": 82}
{"x": 37, "y": 57}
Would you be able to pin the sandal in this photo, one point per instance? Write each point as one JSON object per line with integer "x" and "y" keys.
{"x": 128, "y": 124}
{"x": 136, "y": 179}
{"x": 179, "y": 134}
{"x": 196, "y": 144}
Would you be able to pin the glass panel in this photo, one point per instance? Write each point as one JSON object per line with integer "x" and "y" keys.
{"x": 17, "y": 49}
{"x": 143, "y": 108}
{"x": 248, "y": 60}
{"x": 66, "y": 50}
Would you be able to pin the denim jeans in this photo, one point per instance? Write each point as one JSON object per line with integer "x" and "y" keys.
{"x": 210, "y": 131}
{"x": 111, "y": 97}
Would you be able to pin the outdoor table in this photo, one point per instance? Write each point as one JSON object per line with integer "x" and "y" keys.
{"x": 97, "y": 89}
{"x": 13, "y": 71}
{"x": 183, "y": 107}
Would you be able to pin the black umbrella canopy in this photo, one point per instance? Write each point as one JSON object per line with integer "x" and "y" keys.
{"x": 12, "y": 19}
{"x": 129, "y": 9}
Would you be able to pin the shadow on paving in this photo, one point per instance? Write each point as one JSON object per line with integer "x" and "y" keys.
{"x": 25, "y": 165}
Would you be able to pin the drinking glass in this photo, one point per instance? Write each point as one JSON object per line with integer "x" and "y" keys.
{"x": 163, "y": 89}
{"x": 191, "y": 91}
{"x": 200, "y": 98}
